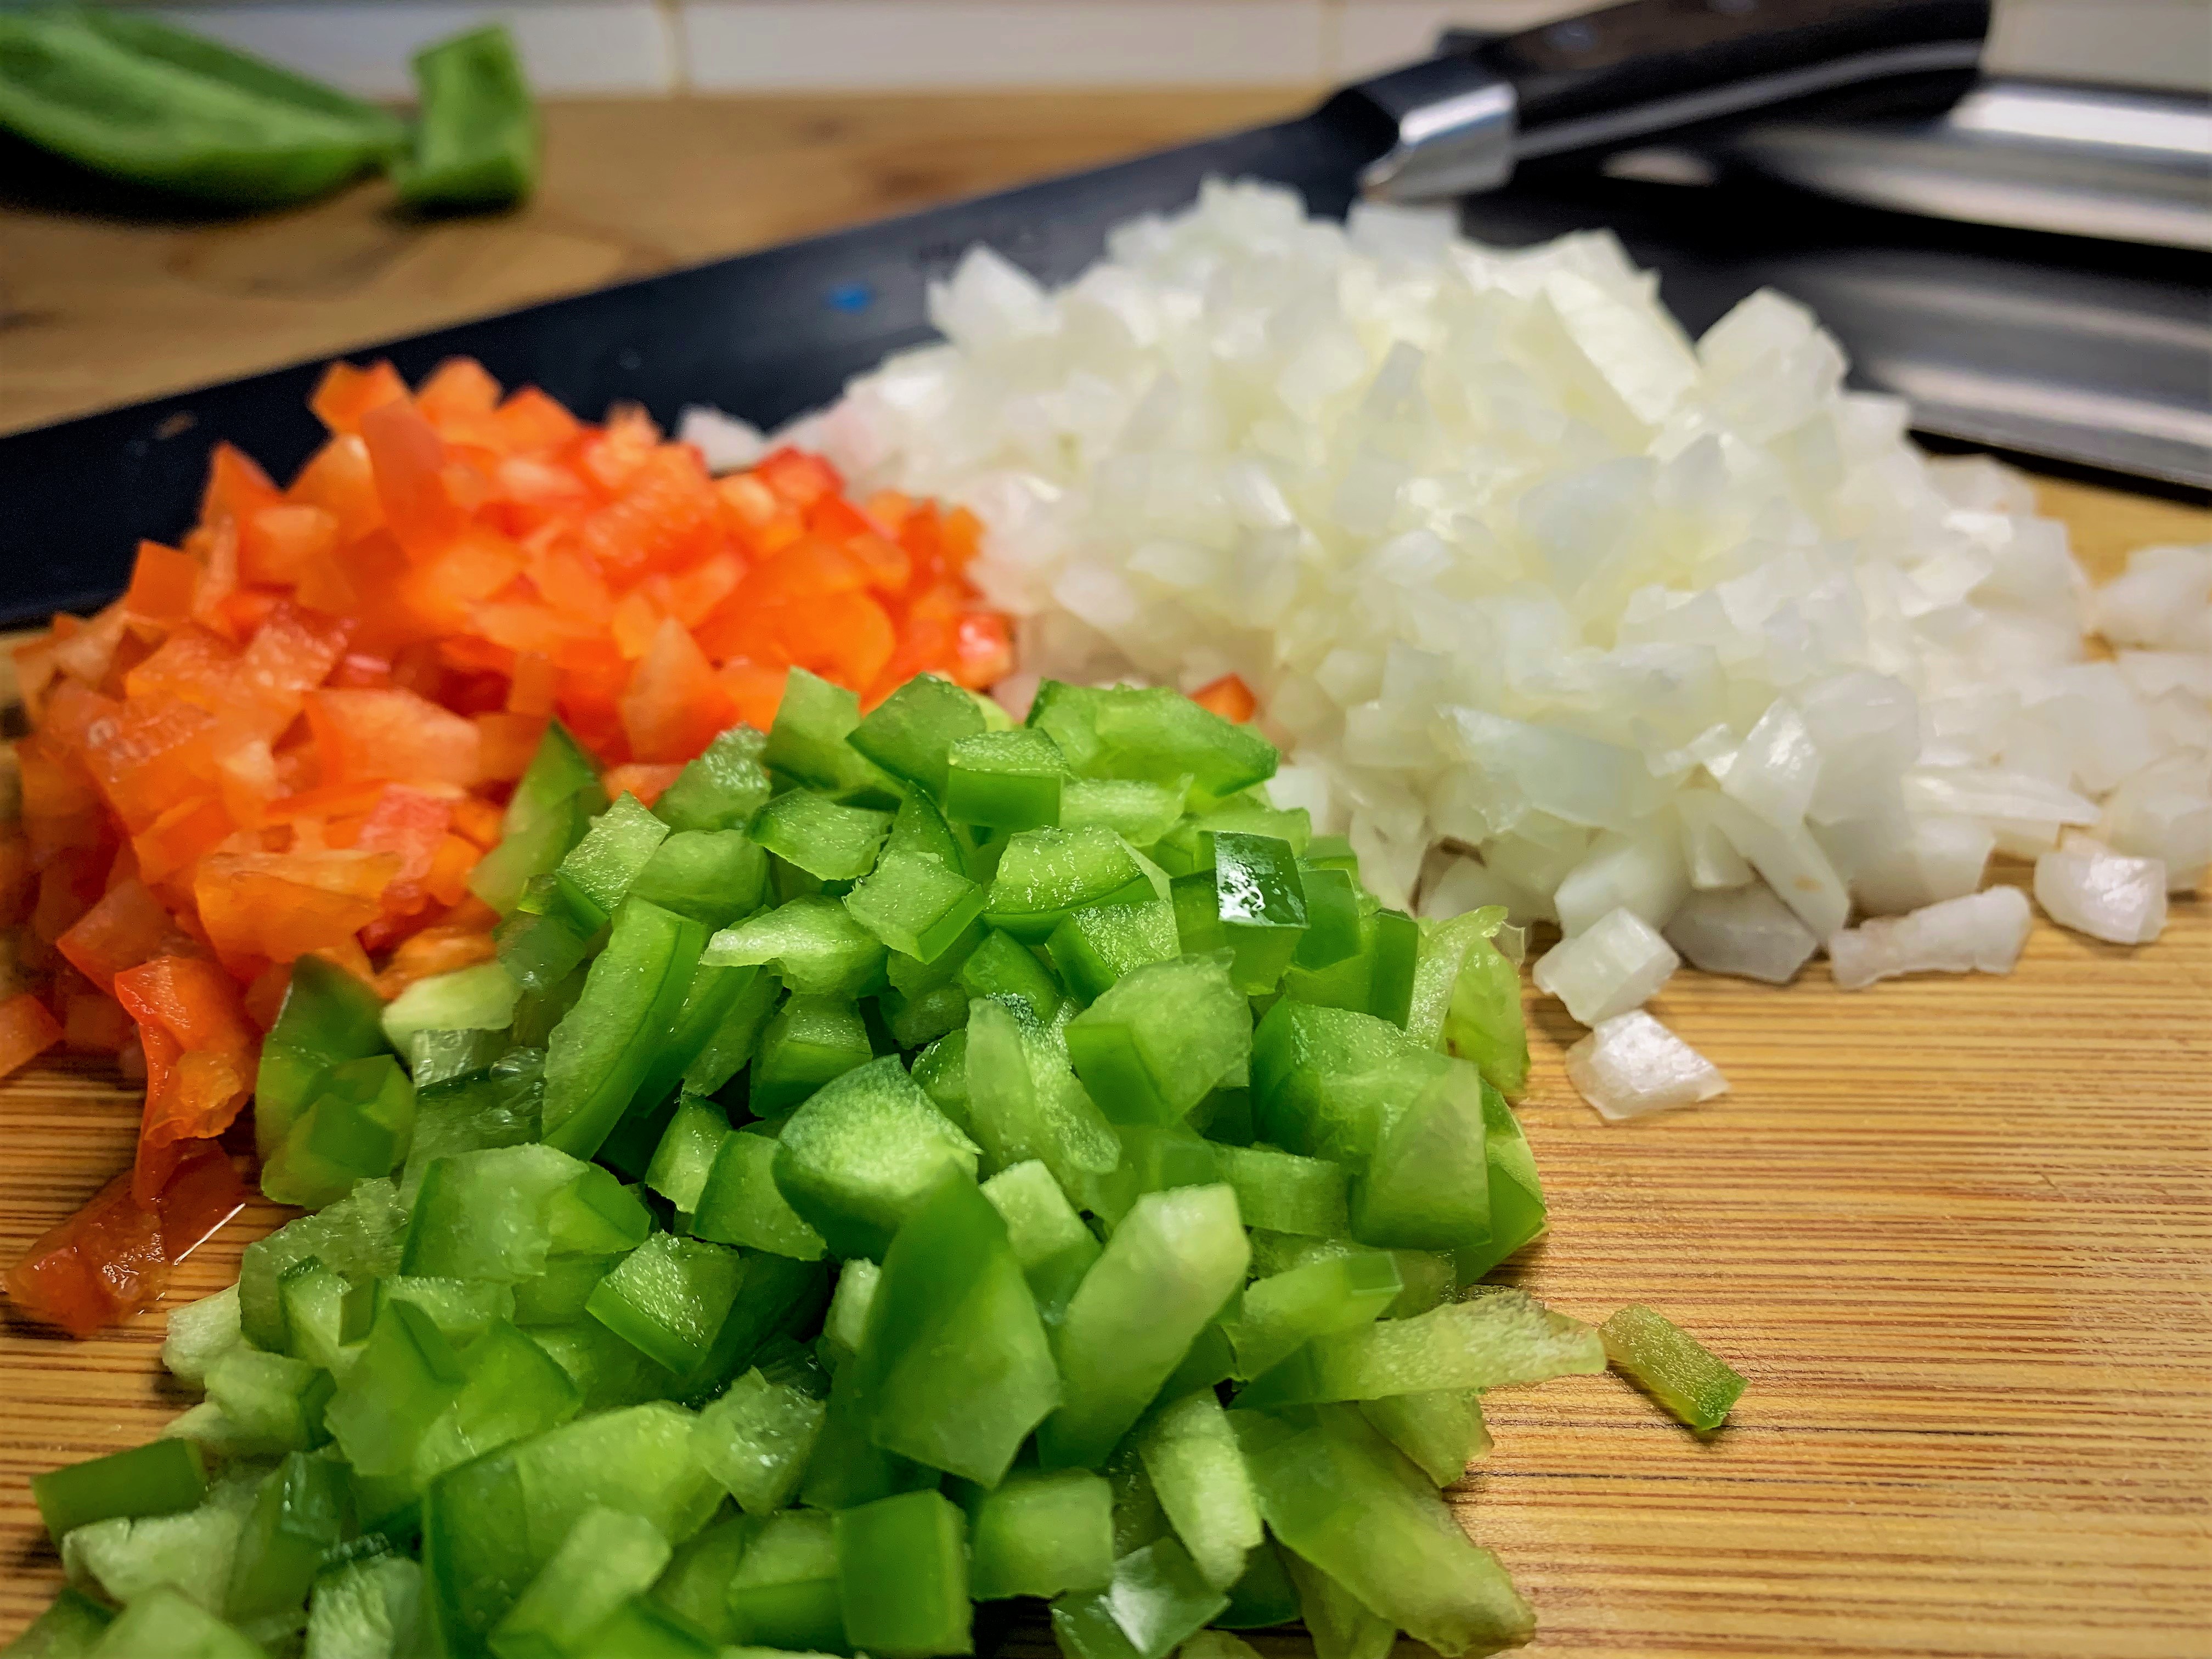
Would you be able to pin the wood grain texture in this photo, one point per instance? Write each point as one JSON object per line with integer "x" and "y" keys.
{"x": 106, "y": 306}
{"x": 1957, "y": 1232}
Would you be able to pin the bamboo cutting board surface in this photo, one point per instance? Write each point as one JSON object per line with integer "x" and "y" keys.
{"x": 1955, "y": 1231}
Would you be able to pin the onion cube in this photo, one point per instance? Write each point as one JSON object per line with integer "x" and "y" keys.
{"x": 2086, "y": 886}
{"x": 1631, "y": 1065}
{"x": 1618, "y": 964}
{"x": 1981, "y": 931}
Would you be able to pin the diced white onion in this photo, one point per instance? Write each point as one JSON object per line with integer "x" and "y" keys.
{"x": 2088, "y": 887}
{"x": 1743, "y": 930}
{"x": 727, "y": 442}
{"x": 1631, "y": 1065}
{"x": 1982, "y": 932}
{"x": 1518, "y": 571}
{"x": 1618, "y": 964}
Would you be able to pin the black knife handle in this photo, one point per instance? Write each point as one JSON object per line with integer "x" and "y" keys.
{"x": 1634, "y": 71}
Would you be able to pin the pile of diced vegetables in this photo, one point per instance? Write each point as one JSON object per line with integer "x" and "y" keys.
{"x": 294, "y": 733}
{"x": 917, "y": 1161}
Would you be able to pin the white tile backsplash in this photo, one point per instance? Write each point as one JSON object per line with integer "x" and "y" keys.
{"x": 732, "y": 45}
{"x": 364, "y": 45}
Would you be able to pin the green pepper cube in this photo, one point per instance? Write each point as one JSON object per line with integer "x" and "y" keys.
{"x": 1336, "y": 1494}
{"x": 1321, "y": 1077}
{"x": 1673, "y": 1367}
{"x": 863, "y": 1152}
{"x": 540, "y": 951}
{"x": 1152, "y": 733}
{"x": 595, "y": 1215}
{"x": 1002, "y": 966}
{"x": 1280, "y": 1313}
{"x": 1096, "y": 945}
{"x": 1440, "y": 1430}
{"x": 327, "y": 1017}
{"x": 1287, "y": 1194}
{"x": 1005, "y": 779}
{"x": 848, "y": 1467}
{"x": 359, "y": 1235}
{"x": 70, "y": 1627}
{"x": 598, "y": 871}
{"x": 687, "y": 1149}
{"x": 1156, "y": 1600}
{"x": 1517, "y": 1197}
{"x": 911, "y": 733}
{"x": 1259, "y": 907}
{"x": 547, "y": 814}
{"x": 158, "y": 1479}
{"x": 1049, "y": 1240}
{"x": 301, "y": 1511}
{"x": 917, "y": 1020}
{"x": 1159, "y": 1039}
{"x": 720, "y": 790}
{"x": 1039, "y": 1532}
{"x": 669, "y": 1297}
{"x": 1046, "y": 873}
{"x": 1172, "y": 1263}
{"x": 514, "y": 1389}
{"x": 696, "y": 1587}
{"x": 485, "y": 1214}
{"x": 809, "y": 743}
{"x": 356, "y": 1127}
{"x": 712, "y": 876}
{"x": 740, "y": 1000}
{"x": 1198, "y": 1473}
{"x": 918, "y": 827}
{"x": 1138, "y": 812}
{"x": 167, "y": 1621}
{"x": 273, "y": 1402}
{"x": 914, "y": 904}
{"x": 475, "y": 128}
{"x": 1264, "y": 1596}
{"x": 1496, "y": 1341}
{"x": 785, "y": 1591}
{"x": 1023, "y": 1102}
{"x": 462, "y": 1308}
{"x": 607, "y": 1557}
{"x": 1482, "y": 1019}
{"x": 829, "y": 841}
{"x": 812, "y": 1041}
{"x": 407, "y": 1373}
{"x": 903, "y": 1577}
{"x": 1340, "y": 1628}
{"x": 1426, "y": 1185}
{"x": 603, "y": 1047}
{"x": 817, "y": 946}
{"x": 1331, "y": 918}
{"x": 755, "y": 1439}
{"x": 739, "y": 1203}
{"x": 954, "y": 1367}
{"x": 846, "y": 1324}
{"x": 438, "y": 1060}
{"x": 1156, "y": 1157}
{"x": 642, "y": 1628}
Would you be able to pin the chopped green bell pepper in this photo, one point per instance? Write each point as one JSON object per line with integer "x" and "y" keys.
{"x": 712, "y": 876}
{"x": 785, "y": 1591}
{"x": 604, "y": 1047}
{"x": 1340, "y": 1628}
{"x": 954, "y": 1369}
{"x": 756, "y": 1440}
{"x": 1045, "y": 874}
{"x": 608, "y": 1557}
{"x": 863, "y": 1153}
{"x": 910, "y": 733}
{"x": 739, "y": 1202}
{"x": 915, "y": 904}
{"x": 1175, "y": 1259}
{"x": 303, "y": 1509}
{"x": 1049, "y": 1240}
{"x": 1265, "y": 1596}
{"x": 475, "y": 128}
{"x": 406, "y": 1375}
{"x": 1151, "y": 734}
{"x": 158, "y": 1479}
{"x": 1494, "y": 1341}
{"x": 1097, "y": 945}
{"x": 1198, "y": 1473}
{"x": 829, "y": 841}
{"x": 1323, "y": 1296}
{"x": 723, "y": 788}
{"x": 1673, "y": 1367}
{"x": 327, "y": 1017}
{"x": 686, "y": 1152}
{"x": 1160, "y": 1037}
{"x": 1039, "y": 1532}
{"x": 1287, "y": 1193}
{"x": 669, "y": 1298}
{"x": 815, "y": 945}
{"x": 1157, "y": 1600}
{"x": 903, "y": 1577}
{"x": 808, "y": 743}
{"x": 357, "y": 1126}
{"x": 1441, "y": 1430}
{"x": 1023, "y": 1102}
{"x": 1005, "y": 779}
{"x": 812, "y": 1041}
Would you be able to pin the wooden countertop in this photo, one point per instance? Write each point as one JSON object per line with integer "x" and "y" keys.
{"x": 1956, "y": 1231}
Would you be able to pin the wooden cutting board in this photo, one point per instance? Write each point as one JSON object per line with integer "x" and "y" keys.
{"x": 1955, "y": 1231}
